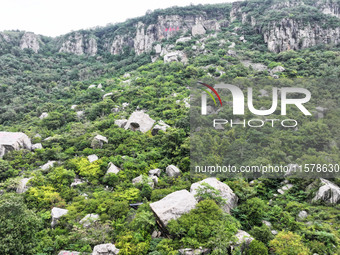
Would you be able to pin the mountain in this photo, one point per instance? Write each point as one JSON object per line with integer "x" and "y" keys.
{"x": 97, "y": 137}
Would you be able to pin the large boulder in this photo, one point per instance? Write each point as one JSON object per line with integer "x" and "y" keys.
{"x": 173, "y": 206}
{"x": 22, "y": 186}
{"x": 139, "y": 121}
{"x": 225, "y": 192}
{"x": 302, "y": 215}
{"x": 112, "y": 169}
{"x": 10, "y": 141}
{"x": 328, "y": 192}
{"x": 105, "y": 249}
{"x": 97, "y": 142}
{"x": 89, "y": 219}
{"x": 172, "y": 171}
{"x": 56, "y": 214}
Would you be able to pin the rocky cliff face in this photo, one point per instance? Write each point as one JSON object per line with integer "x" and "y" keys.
{"x": 165, "y": 27}
{"x": 289, "y": 33}
{"x": 329, "y": 7}
{"x": 30, "y": 41}
{"x": 79, "y": 44}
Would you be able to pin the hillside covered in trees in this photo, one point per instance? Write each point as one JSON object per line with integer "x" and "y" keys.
{"x": 95, "y": 134}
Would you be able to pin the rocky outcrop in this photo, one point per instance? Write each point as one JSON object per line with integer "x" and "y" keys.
{"x": 329, "y": 7}
{"x": 105, "y": 249}
{"x": 43, "y": 115}
{"x": 80, "y": 43}
{"x": 166, "y": 26}
{"x": 173, "y": 206}
{"x": 30, "y": 41}
{"x": 225, "y": 192}
{"x": 56, "y": 214}
{"x": 139, "y": 121}
{"x": 328, "y": 192}
{"x": 13, "y": 141}
{"x": 290, "y": 34}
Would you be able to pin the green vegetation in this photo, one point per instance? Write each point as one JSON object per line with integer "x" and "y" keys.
{"x": 49, "y": 81}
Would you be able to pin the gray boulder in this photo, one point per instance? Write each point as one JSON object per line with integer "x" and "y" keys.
{"x": 243, "y": 239}
{"x": 92, "y": 158}
{"x": 74, "y": 106}
{"x": 158, "y": 48}
{"x": 89, "y": 219}
{"x": 173, "y": 206}
{"x": 13, "y": 141}
{"x": 98, "y": 141}
{"x": 175, "y": 56}
{"x": 191, "y": 251}
{"x": 285, "y": 188}
{"x": 48, "y": 165}
{"x": 108, "y": 95}
{"x": 112, "y": 168}
{"x": 105, "y": 249}
{"x": 328, "y": 192}
{"x": 76, "y": 182}
{"x": 56, "y": 214}
{"x": 37, "y": 146}
{"x": 154, "y": 172}
{"x": 69, "y": 253}
{"x": 22, "y": 186}
{"x": 183, "y": 39}
{"x": 139, "y": 121}
{"x": 278, "y": 69}
{"x": 146, "y": 179}
{"x": 121, "y": 123}
{"x": 225, "y": 192}
{"x": 173, "y": 171}
{"x": 160, "y": 126}
{"x": 43, "y": 115}
{"x": 301, "y": 216}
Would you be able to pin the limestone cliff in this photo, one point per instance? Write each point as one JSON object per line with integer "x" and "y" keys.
{"x": 283, "y": 28}
{"x": 79, "y": 43}
{"x": 30, "y": 41}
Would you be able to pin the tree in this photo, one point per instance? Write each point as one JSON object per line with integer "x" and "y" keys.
{"x": 18, "y": 226}
{"x": 288, "y": 243}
